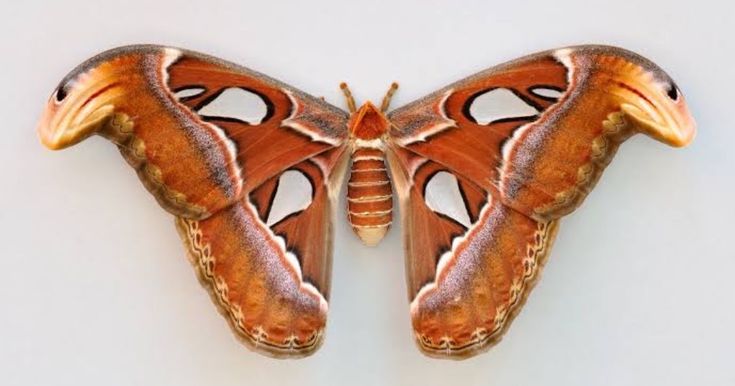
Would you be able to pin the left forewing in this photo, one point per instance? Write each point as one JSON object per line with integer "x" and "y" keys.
{"x": 537, "y": 132}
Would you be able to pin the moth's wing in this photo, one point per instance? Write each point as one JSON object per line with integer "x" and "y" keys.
{"x": 538, "y": 131}
{"x": 270, "y": 276}
{"x": 470, "y": 260}
{"x": 525, "y": 141}
{"x": 467, "y": 277}
{"x": 212, "y": 141}
{"x": 201, "y": 132}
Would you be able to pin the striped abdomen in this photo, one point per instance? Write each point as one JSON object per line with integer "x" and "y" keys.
{"x": 369, "y": 195}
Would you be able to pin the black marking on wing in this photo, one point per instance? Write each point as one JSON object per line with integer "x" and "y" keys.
{"x": 519, "y": 95}
{"x": 190, "y": 97}
{"x": 269, "y": 107}
{"x": 531, "y": 90}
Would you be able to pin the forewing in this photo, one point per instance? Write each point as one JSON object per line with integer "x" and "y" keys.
{"x": 535, "y": 132}
{"x": 201, "y": 132}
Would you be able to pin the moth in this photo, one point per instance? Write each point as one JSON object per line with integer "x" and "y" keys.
{"x": 252, "y": 169}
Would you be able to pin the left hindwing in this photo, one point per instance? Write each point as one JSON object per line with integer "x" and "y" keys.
{"x": 470, "y": 260}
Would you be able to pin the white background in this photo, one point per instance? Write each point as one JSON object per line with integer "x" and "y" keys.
{"x": 96, "y": 289}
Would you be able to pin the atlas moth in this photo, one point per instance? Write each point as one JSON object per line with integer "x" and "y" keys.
{"x": 252, "y": 169}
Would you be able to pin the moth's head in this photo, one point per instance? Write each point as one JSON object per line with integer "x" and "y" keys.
{"x": 368, "y": 122}
{"x": 648, "y": 97}
{"x": 83, "y": 102}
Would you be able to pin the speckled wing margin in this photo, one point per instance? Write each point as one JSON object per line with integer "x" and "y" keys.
{"x": 517, "y": 175}
{"x": 218, "y": 173}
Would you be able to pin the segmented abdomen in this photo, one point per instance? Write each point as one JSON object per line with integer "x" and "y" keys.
{"x": 369, "y": 195}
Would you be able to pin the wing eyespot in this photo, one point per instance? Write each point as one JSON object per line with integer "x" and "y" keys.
{"x": 672, "y": 91}
{"x": 61, "y": 92}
